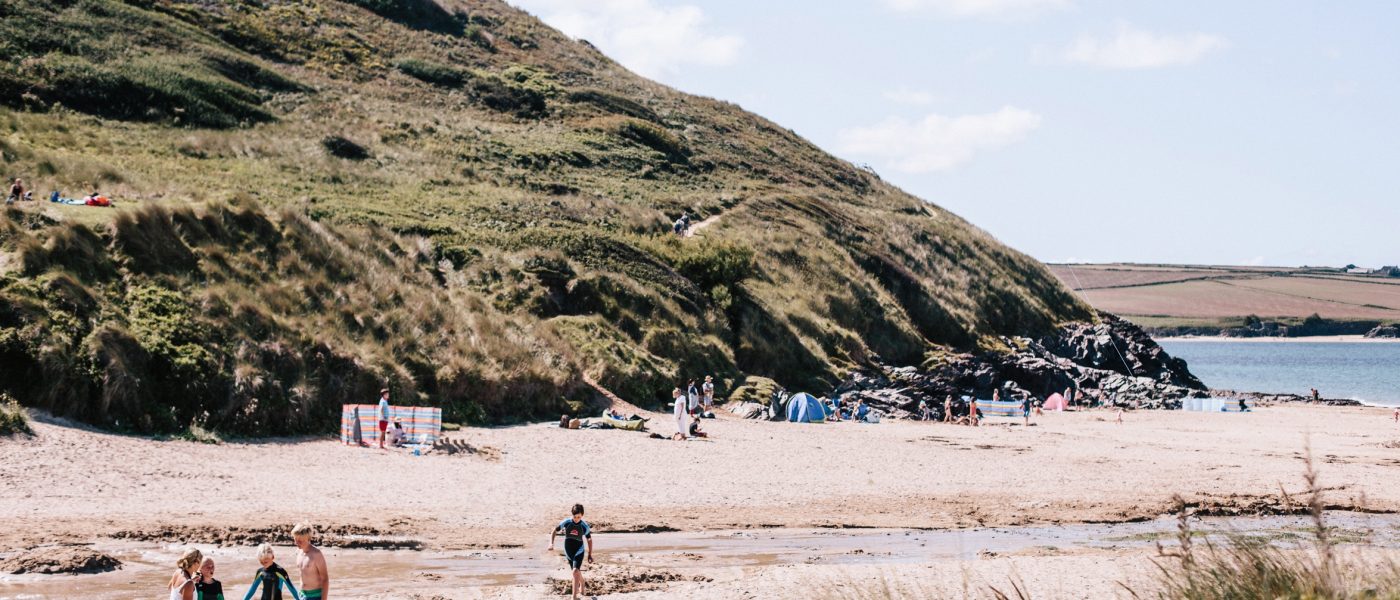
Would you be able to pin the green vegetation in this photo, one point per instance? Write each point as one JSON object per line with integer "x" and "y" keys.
{"x": 13, "y": 418}
{"x": 317, "y": 197}
{"x": 1253, "y": 567}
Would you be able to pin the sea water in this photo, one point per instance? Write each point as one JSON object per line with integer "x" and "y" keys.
{"x": 1365, "y": 371}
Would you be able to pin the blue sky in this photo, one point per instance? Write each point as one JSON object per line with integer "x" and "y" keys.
{"x": 1197, "y": 132}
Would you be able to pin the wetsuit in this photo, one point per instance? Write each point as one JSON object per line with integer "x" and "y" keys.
{"x": 271, "y": 579}
{"x": 208, "y": 590}
{"x": 574, "y": 534}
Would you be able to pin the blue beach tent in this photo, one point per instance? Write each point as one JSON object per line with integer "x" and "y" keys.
{"x": 803, "y": 408}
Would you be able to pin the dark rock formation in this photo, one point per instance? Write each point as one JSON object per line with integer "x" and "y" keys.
{"x": 51, "y": 560}
{"x": 1384, "y": 331}
{"x": 1110, "y": 362}
{"x": 1267, "y": 398}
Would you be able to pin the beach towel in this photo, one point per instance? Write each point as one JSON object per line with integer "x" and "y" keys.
{"x": 422, "y": 424}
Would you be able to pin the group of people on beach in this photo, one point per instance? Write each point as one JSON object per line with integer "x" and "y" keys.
{"x": 194, "y": 575}
{"x": 690, "y": 406}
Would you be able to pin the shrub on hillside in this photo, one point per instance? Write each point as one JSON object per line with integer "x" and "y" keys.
{"x": 435, "y": 73}
{"x": 147, "y": 88}
{"x": 656, "y": 138}
{"x": 344, "y": 148}
{"x": 13, "y": 418}
{"x": 418, "y": 14}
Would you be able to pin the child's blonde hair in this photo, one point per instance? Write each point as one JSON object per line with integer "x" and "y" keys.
{"x": 191, "y": 558}
{"x": 264, "y": 551}
{"x": 303, "y": 529}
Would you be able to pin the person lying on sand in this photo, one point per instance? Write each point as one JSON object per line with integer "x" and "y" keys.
{"x": 576, "y": 532}
{"x": 270, "y": 576}
{"x": 315, "y": 580}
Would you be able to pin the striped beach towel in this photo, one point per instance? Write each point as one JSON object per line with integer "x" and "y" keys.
{"x": 360, "y": 422}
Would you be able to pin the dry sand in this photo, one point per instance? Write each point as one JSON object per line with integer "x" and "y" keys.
{"x": 71, "y": 484}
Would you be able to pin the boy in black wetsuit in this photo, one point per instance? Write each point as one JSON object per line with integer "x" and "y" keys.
{"x": 271, "y": 577}
{"x": 205, "y": 586}
{"x": 576, "y": 534}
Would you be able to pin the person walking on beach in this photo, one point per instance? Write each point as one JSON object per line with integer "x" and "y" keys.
{"x": 972, "y": 411}
{"x": 678, "y": 399}
{"x": 577, "y": 533}
{"x": 383, "y": 412}
{"x": 1314, "y": 394}
{"x": 181, "y": 584}
{"x": 315, "y": 579}
{"x": 708, "y": 390}
{"x": 925, "y": 413}
{"x": 1026, "y": 410}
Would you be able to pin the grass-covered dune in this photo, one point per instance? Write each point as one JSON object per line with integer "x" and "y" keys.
{"x": 320, "y": 197}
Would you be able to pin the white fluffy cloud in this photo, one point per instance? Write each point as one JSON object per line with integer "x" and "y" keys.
{"x": 937, "y": 142}
{"x": 979, "y": 8}
{"x": 1130, "y": 48}
{"x": 651, "y": 37}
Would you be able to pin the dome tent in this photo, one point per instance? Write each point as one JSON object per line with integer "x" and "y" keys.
{"x": 804, "y": 408}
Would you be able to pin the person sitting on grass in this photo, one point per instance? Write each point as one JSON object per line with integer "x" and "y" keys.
{"x": 271, "y": 577}
{"x": 205, "y": 586}
{"x": 16, "y": 191}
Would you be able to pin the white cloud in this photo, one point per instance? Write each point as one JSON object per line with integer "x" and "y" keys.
{"x": 644, "y": 35}
{"x": 937, "y": 142}
{"x": 910, "y": 97}
{"x": 1130, "y": 48}
{"x": 979, "y": 8}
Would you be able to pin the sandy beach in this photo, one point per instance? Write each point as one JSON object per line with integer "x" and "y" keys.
{"x": 509, "y": 485}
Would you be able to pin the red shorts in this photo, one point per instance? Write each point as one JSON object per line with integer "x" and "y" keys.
{"x": 383, "y": 425}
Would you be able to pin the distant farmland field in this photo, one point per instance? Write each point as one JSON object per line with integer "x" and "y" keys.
{"x": 1170, "y": 296}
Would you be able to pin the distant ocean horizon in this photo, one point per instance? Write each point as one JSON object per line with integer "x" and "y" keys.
{"x": 1367, "y": 372}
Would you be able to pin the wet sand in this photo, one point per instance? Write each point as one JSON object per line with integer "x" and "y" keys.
{"x": 70, "y": 484}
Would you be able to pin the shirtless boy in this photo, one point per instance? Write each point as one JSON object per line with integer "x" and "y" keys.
{"x": 315, "y": 580}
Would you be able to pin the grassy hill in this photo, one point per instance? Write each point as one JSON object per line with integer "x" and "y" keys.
{"x": 1185, "y": 297}
{"x": 319, "y": 197}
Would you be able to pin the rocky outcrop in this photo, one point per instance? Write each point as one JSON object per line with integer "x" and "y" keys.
{"x": 1267, "y": 398}
{"x": 1255, "y": 328}
{"x": 1110, "y": 362}
{"x": 1384, "y": 332}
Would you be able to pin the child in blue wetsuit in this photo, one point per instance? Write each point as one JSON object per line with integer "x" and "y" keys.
{"x": 271, "y": 577}
{"x": 577, "y": 536}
